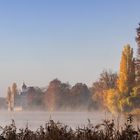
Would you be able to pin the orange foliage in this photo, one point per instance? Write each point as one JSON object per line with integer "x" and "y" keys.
{"x": 127, "y": 71}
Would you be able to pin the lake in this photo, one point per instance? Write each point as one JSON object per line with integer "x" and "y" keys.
{"x": 37, "y": 118}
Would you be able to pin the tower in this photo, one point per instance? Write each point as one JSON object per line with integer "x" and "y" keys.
{"x": 24, "y": 87}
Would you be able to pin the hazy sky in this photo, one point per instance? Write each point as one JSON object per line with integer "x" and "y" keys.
{"x": 72, "y": 40}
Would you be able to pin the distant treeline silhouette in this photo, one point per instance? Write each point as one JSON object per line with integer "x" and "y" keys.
{"x": 57, "y": 96}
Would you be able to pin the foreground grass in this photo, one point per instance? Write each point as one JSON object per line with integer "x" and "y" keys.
{"x": 56, "y": 131}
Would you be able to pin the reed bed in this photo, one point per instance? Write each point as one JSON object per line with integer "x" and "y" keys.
{"x": 106, "y": 130}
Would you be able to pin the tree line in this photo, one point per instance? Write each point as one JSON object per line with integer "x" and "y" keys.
{"x": 57, "y": 96}
{"x": 115, "y": 92}
{"x": 123, "y": 95}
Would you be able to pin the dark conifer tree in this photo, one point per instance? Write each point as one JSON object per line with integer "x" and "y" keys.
{"x": 137, "y": 61}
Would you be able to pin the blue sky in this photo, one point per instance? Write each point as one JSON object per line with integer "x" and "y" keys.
{"x": 72, "y": 40}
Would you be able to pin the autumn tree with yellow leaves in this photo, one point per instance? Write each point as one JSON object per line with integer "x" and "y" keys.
{"x": 126, "y": 78}
{"x": 120, "y": 99}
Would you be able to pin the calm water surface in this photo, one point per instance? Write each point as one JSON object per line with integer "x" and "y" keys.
{"x": 37, "y": 118}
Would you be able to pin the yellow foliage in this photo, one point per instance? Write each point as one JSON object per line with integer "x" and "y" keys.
{"x": 127, "y": 71}
{"x": 14, "y": 89}
{"x": 124, "y": 104}
{"x": 112, "y": 100}
{"x": 8, "y": 94}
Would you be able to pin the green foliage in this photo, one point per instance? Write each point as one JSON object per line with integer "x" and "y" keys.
{"x": 125, "y": 105}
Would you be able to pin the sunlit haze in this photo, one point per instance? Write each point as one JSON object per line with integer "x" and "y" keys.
{"x": 72, "y": 40}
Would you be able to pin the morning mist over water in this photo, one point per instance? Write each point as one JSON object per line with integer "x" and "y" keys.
{"x": 69, "y": 70}
{"x": 37, "y": 118}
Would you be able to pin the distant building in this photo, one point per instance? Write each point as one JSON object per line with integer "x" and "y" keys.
{"x": 28, "y": 98}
